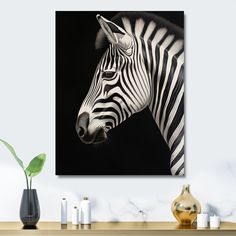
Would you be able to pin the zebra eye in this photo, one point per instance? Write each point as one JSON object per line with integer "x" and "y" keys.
{"x": 108, "y": 74}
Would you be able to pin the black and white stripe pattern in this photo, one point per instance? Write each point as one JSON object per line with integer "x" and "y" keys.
{"x": 143, "y": 66}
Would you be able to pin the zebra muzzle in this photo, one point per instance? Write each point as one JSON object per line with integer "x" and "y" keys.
{"x": 85, "y": 136}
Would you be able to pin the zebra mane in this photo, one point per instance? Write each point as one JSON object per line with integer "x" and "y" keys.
{"x": 101, "y": 39}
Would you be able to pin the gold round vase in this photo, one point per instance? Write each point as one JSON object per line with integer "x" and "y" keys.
{"x": 185, "y": 207}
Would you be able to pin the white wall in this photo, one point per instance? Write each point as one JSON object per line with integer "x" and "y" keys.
{"x": 27, "y": 113}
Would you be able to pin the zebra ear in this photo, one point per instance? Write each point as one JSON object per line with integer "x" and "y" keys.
{"x": 115, "y": 34}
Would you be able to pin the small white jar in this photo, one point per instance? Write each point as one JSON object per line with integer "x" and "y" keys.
{"x": 214, "y": 222}
{"x": 202, "y": 221}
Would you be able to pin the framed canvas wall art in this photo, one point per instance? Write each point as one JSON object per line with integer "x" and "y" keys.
{"x": 120, "y": 93}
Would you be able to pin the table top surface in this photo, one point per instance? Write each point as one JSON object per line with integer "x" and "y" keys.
{"x": 112, "y": 226}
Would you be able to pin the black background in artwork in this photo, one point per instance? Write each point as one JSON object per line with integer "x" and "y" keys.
{"x": 135, "y": 147}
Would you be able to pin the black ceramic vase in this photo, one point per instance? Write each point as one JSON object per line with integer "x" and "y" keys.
{"x": 29, "y": 208}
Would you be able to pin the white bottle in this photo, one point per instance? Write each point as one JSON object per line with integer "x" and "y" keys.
{"x": 63, "y": 211}
{"x": 75, "y": 216}
{"x": 85, "y": 212}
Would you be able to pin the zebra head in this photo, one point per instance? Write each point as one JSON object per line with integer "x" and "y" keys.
{"x": 119, "y": 87}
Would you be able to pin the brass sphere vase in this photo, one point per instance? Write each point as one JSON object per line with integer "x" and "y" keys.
{"x": 185, "y": 207}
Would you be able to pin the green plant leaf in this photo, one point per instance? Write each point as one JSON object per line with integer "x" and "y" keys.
{"x": 36, "y": 165}
{"x": 11, "y": 149}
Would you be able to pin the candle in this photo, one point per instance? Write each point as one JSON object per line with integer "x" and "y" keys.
{"x": 214, "y": 222}
{"x": 63, "y": 211}
{"x": 75, "y": 216}
{"x": 202, "y": 221}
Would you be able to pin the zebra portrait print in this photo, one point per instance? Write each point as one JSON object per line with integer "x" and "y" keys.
{"x": 141, "y": 69}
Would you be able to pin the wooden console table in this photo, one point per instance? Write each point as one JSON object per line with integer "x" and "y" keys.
{"x": 114, "y": 229}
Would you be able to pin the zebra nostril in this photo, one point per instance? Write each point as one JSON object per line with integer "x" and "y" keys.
{"x": 81, "y": 131}
{"x": 82, "y": 125}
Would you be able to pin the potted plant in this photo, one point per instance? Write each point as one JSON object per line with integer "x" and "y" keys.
{"x": 29, "y": 208}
